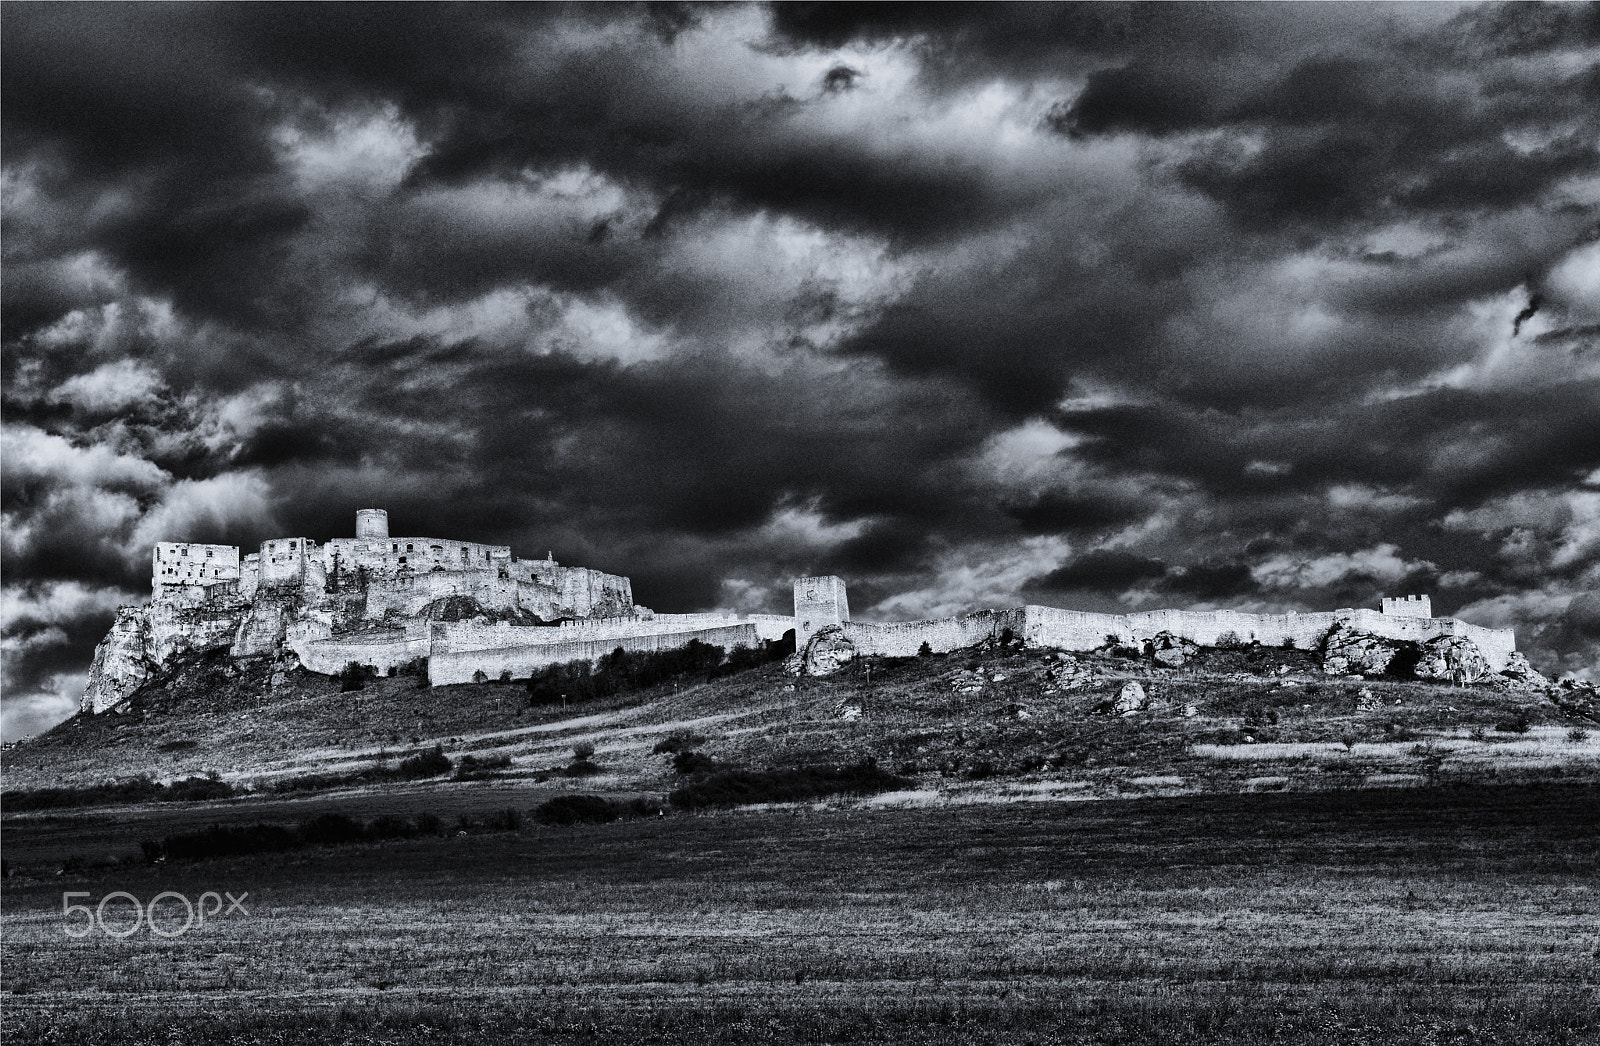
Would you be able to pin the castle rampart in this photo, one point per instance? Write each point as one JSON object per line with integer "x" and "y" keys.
{"x": 1082, "y": 631}
{"x": 1407, "y": 606}
{"x": 448, "y": 665}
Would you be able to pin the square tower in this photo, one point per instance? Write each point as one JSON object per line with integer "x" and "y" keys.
{"x": 818, "y": 603}
{"x": 1408, "y": 606}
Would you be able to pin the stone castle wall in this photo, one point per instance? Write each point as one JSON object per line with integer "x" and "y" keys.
{"x": 768, "y": 626}
{"x": 447, "y": 665}
{"x": 1079, "y": 630}
{"x": 383, "y": 652}
{"x": 177, "y": 563}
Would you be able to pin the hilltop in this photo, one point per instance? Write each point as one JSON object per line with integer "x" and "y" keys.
{"x": 990, "y": 723}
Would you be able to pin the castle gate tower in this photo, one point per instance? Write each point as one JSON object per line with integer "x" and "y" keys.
{"x": 372, "y": 523}
{"x": 818, "y": 603}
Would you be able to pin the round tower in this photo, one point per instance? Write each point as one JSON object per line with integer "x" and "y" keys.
{"x": 372, "y": 523}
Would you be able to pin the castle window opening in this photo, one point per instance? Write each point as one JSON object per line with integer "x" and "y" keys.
{"x": 208, "y": 553}
{"x": 408, "y": 549}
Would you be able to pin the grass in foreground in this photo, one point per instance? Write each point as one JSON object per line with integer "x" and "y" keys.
{"x": 1462, "y": 915}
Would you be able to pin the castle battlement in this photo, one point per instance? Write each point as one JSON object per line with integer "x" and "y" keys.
{"x": 1407, "y": 606}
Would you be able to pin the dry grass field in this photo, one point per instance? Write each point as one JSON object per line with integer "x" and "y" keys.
{"x": 1434, "y": 915}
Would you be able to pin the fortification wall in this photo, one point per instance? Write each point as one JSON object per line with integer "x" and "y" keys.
{"x": 768, "y": 626}
{"x": 384, "y": 652}
{"x": 577, "y": 593}
{"x": 1079, "y": 630}
{"x": 447, "y": 665}
{"x": 905, "y": 638}
{"x": 389, "y": 556}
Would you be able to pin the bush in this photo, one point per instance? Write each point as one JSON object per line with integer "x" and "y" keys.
{"x": 132, "y": 791}
{"x": 391, "y": 826}
{"x": 924, "y": 650}
{"x": 1229, "y": 641}
{"x": 1576, "y": 735}
{"x": 693, "y": 763}
{"x": 507, "y": 820}
{"x": 430, "y": 824}
{"x": 332, "y": 829}
{"x": 583, "y": 751}
{"x": 475, "y": 768}
{"x": 219, "y": 841}
{"x": 576, "y": 809}
{"x": 1517, "y": 724}
{"x": 424, "y": 764}
{"x": 677, "y": 741}
{"x": 623, "y": 670}
{"x": 354, "y": 676}
{"x": 740, "y": 787}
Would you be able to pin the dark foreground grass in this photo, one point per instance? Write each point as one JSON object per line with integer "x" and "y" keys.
{"x": 1462, "y": 915}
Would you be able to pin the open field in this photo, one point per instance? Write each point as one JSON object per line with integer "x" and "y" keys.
{"x": 1448, "y": 915}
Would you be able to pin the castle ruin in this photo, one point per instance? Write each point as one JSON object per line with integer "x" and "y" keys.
{"x": 469, "y": 611}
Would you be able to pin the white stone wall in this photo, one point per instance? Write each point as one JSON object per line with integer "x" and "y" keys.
{"x": 446, "y": 665}
{"x": 1407, "y": 606}
{"x": 768, "y": 626}
{"x": 384, "y": 652}
{"x": 186, "y": 563}
{"x": 1078, "y": 630}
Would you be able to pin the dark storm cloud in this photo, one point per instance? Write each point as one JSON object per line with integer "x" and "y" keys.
{"x": 1103, "y": 570}
{"x": 1266, "y": 305}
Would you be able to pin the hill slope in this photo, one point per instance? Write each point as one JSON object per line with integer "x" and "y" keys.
{"x": 984, "y": 724}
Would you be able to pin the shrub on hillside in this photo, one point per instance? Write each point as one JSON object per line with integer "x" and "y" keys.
{"x": 431, "y": 763}
{"x": 477, "y": 768}
{"x": 134, "y": 790}
{"x": 223, "y": 841}
{"x": 354, "y": 676}
{"x": 690, "y": 762}
{"x": 625, "y": 670}
{"x": 576, "y": 809}
{"x": 741, "y": 787}
{"x": 1516, "y": 724}
{"x": 677, "y": 741}
{"x": 331, "y": 829}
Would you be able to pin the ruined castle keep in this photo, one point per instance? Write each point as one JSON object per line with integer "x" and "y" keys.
{"x": 469, "y": 612}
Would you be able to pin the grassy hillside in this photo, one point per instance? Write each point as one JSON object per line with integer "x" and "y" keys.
{"x": 980, "y": 725}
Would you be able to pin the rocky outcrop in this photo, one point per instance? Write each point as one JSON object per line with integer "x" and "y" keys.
{"x": 122, "y": 662}
{"x": 1452, "y": 659}
{"x": 1130, "y": 699}
{"x": 1520, "y": 675}
{"x": 1349, "y": 651}
{"x": 1170, "y": 650}
{"x": 827, "y": 650}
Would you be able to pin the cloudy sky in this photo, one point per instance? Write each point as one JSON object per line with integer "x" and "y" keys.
{"x": 1108, "y": 307}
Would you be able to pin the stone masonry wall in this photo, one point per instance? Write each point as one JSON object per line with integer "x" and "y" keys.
{"x": 447, "y": 666}
{"x": 768, "y": 626}
{"x": 1077, "y": 630}
{"x": 384, "y": 652}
